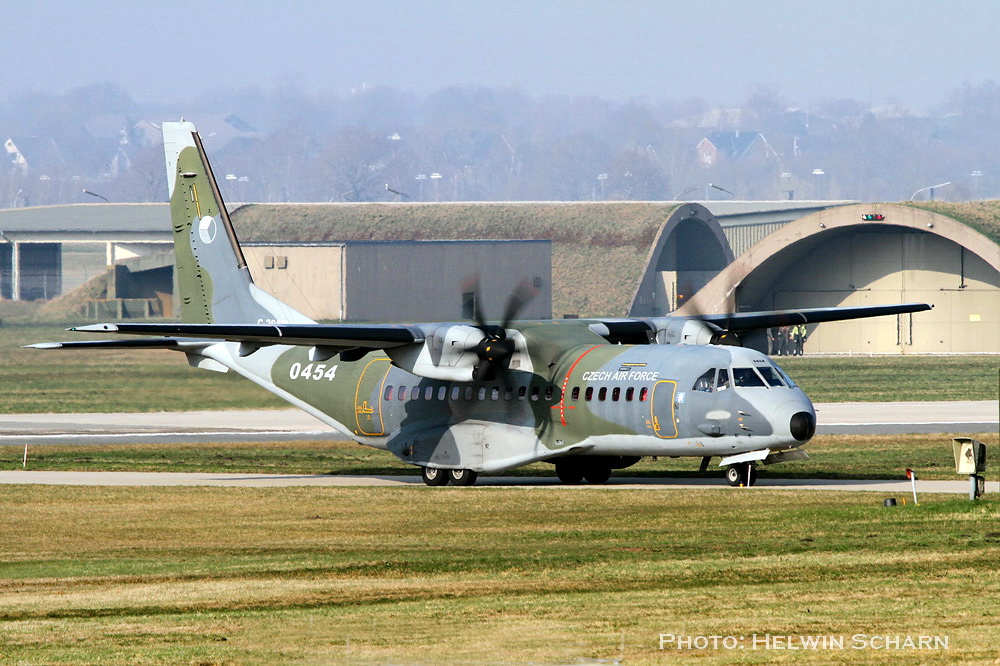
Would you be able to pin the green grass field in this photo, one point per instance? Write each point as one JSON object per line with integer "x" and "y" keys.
{"x": 832, "y": 457}
{"x": 486, "y": 575}
{"x": 159, "y": 380}
{"x": 111, "y": 381}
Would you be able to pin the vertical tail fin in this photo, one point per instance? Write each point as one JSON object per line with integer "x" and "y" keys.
{"x": 212, "y": 275}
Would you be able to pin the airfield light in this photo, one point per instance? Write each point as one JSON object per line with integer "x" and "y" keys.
{"x": 873, "y": 217}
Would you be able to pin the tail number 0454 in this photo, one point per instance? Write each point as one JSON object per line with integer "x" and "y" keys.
{"x": 314, "y": 371}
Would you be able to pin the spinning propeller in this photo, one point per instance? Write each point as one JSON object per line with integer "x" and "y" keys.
{"x": 494, "y": 349}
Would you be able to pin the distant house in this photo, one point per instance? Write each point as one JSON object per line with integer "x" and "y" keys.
{"x": 38, "y": 154}
{"x": 17, "y": 160}
{"x": 734, "y": 146}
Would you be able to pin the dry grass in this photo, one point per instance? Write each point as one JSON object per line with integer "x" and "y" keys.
{"x": 983, "y": 216}
{"x": 419, "y": 575}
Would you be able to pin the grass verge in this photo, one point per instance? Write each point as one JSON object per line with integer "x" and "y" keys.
{"x": 832, "y": 457}
{"x": 421, "y": 575}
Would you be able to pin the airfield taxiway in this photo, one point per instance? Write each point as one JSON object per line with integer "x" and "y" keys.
{"x": 849, "y": 418}
{"x": 22, "y": 477}
{"x": 295, "y": 425}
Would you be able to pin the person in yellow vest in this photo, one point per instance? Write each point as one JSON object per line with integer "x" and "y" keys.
{"x": 799, "y": 335}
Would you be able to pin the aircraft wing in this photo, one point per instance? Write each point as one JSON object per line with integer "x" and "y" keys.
{"x": 748, "y": 321}
{"x": 643, "y": 331}
{"x": 373, "y": 336}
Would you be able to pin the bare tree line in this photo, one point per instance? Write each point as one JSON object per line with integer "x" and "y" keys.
{"x": 482, "y": 144}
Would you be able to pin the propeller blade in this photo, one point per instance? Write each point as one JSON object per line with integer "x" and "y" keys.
{"x": 471, "y": 284}
{"x": 523, "y": 294}
{"x": 494, "y": 349}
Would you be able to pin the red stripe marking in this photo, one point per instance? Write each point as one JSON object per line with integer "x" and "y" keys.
{"x": 562, "y": 398}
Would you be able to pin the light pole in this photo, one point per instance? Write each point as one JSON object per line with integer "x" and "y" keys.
{"x": 786, "y": 179}
{"x": 95, "y": 194}
{"x": 976, "y": 175}
{"x": 721, "y": 189}
{"x": 680, "y": 194}
{"x": 601, "y": 177}
{"x": 420, "y": 178}
{"x": 437, "y": 193}
{"x": 931, "y": 188}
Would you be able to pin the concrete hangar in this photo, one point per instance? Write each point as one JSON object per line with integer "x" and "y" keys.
{"x": 644, "y": 259}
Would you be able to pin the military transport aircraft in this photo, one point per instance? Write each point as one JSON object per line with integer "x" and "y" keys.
{"x": 459, "y": 399}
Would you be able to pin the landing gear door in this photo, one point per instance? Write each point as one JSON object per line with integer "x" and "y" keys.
{"x": 661, "y": 406}
{"x": 368, "y": 397}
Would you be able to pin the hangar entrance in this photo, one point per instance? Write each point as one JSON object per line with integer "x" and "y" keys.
{"x": 691, "y": 256}
{"x": 875, "y": 265}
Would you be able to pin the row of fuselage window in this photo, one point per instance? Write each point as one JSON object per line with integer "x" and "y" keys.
{"x": 534, "y": 393}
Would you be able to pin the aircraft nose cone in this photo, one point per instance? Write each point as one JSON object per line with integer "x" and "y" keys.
{"x": 803, "y": 426}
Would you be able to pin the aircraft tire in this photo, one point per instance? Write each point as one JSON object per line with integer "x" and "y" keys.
{"x": 462, "y": 477}
{"x": 569, "y": 471}
{"x": 741, "y": 474}
{"x": 733, "y": 475}
{"x": 433, "y": 476}
{"x": 598, "y": 474}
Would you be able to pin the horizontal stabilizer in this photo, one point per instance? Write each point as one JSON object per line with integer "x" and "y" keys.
{"x": 373, "y": 336}
{"x": 156, "y": 343}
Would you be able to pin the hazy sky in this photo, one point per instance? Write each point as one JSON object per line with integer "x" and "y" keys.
{"x": 911, "y": 52}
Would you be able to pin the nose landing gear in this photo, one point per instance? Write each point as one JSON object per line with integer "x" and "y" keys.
{"x": 741, "y": 474}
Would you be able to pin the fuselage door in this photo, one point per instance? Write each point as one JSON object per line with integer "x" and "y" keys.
{"x": 661, "y": 406}
{"x": 368, "y": 397}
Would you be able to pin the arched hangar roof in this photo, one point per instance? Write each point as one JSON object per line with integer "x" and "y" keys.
{"x": 774, "y": 255}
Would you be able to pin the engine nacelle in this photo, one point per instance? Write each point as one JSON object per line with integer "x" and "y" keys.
{"x": 448, "y": 353}
{"x": 685, "y": 331}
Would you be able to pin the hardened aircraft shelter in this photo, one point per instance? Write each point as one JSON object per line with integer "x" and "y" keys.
{"x": 871, "y": 254}
{"x": 605, "y": 259}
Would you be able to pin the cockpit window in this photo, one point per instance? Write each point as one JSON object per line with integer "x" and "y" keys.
{"x": 706, "y": 382}
{"x": 746, "y": 377}
{"x": 784, "y": 375}
{"x": 770, "y": 376}
{"x": 723, "y": 382}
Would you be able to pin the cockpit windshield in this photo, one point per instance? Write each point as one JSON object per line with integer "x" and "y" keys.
{"x": 784, "y": 375}
{"x": 770, "y": 376}
{"x": 746, "y": 378}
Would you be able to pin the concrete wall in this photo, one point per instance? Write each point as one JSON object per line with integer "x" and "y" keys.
{"x": 425, "y": 281}
{"x": 415, "y": 281}
{"x": 307, "y": 277}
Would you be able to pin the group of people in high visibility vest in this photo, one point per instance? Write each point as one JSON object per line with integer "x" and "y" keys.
{"x": 787, "y": 340}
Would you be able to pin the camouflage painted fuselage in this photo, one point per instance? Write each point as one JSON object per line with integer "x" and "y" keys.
{"x": 588, "y": 399}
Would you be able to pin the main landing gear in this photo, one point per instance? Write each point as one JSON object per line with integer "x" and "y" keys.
{"x": 741, "y": 474}
{"x": 434, "y": 476}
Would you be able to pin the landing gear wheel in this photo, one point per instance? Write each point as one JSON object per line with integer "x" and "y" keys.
{"x": 733, "y": 475}
{"x": 598, "y": 474}
{"x": 569, "y": 471}
{"x": 462, "y": 477}
{"x": 741, "y": 474}
{"x": 433, "y": 476}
